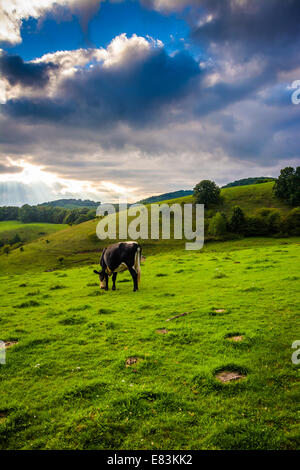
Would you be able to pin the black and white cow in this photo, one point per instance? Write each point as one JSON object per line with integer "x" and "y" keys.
{"x": 118, "y": 258}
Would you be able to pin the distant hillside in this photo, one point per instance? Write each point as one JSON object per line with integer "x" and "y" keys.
{"x": 72, "y": 203}
{"x": 166, "y": 196}
{"x": 247, "y": 181}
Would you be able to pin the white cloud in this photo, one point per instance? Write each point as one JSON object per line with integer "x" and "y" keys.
{"x": 170, "y": 5}
{"x": 13, "y": 12}
{"x": 122, "y": 50}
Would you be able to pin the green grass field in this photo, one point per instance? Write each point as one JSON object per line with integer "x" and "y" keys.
{"x": 27, "y": 232}
{"x": 90, "y": 370}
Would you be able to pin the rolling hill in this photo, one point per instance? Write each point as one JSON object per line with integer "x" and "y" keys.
{"x": 71, "y": 204}
{"x": 27, "y": 232}
{"x": 79, "y": 244}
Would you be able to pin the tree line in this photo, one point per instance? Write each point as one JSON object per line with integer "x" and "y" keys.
{"x": 47, "y": 214}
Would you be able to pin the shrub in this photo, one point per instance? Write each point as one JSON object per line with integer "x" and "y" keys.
{"x": 255, "y": 226}
{"x": 237, "y": 222}
{"x": 272, "y": 218}
{"x": 292, "y": 222}
{"x": 217, "y": 225}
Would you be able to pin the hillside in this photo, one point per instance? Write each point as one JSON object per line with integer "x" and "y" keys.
{"x": 71, "y": 204}
{"x": 250, "y": 198}
{"x": 27, "y": 232}
{"x": 166, "y": 196}
{"x": 79, "y": 244}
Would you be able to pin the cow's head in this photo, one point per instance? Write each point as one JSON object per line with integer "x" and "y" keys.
{"x": 102, "y": 278}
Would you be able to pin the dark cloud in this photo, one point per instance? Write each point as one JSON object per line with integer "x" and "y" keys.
{"x": 38, "y": 109}
{"x": 136, "y": 92}
{"x": 18, "y": 72}
{"x": 250, "y": 27}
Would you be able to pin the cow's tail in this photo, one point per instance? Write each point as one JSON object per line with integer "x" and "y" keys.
{"x": 138, "y": 263}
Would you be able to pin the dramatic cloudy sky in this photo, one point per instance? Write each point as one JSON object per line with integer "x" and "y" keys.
{"x": 136, "y": 97}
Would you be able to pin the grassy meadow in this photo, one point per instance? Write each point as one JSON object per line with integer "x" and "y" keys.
{"x": 27, "y": 232}
{"x": 89, "y": 369}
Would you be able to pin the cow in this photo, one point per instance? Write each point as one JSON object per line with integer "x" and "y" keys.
{"x": 118, "y": 258}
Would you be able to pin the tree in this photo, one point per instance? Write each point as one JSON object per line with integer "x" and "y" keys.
{"x": 287, "y": 186}
{"x": 217, "y": 225}
{"x": 237, "y": 221}
{"x": 207, "y": 192}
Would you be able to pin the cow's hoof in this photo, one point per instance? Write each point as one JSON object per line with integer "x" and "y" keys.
{"x": 113, "y": 288}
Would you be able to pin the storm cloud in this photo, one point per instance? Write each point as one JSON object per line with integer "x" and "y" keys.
{"x": 136, "y": 89}
{"x": 16, "y": 71}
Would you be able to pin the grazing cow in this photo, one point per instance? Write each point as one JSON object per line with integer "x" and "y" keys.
{"x": 118, "y": 258}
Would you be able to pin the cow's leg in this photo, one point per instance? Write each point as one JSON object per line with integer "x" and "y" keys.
{"x": 106, "y": 281}
{"x": 134, "y": 277}
{"x": 114, "y": 277}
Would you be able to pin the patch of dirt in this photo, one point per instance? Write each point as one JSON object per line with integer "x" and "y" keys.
{"x": 163, "y": 331}
{"x": 236, "y": 338}
{"x": 219, "y": 310}
{"x": 10, "y": 344}
{"x": 130, "y": 361}
{"x": 228, "y": 376}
